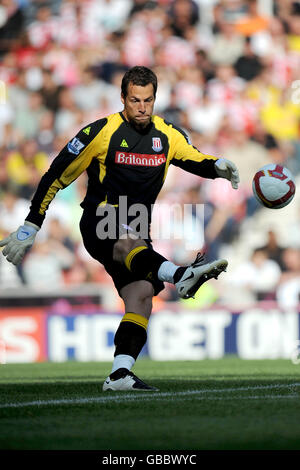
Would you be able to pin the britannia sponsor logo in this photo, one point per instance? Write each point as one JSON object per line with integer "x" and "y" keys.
{"x": 139, "y": 159}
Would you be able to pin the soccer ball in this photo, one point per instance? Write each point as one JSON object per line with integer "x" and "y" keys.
{"x": 273, "y": 186}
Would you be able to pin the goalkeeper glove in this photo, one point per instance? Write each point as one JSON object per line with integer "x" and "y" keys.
{"x": 228, "y": 170}
{"x": 18, "y": 243}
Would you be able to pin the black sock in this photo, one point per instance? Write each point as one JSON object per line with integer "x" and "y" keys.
{"x": 130, "y": 339}
{"x": 145, "y": 262}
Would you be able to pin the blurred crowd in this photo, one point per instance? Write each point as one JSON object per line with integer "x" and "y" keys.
{"x": 228, "y": 74}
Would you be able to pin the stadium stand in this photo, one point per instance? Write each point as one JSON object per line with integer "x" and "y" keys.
{"x": 228, "y": 73}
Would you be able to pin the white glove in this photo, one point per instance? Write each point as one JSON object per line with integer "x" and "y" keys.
{"x": 228, "y": 170}
{"x": 19, "y": 242}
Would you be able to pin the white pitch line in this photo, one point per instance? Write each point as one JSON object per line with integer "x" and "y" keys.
{"x": 146, "y": 396}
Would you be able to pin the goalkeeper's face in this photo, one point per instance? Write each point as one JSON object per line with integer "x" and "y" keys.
{"x": 138, "y": 104}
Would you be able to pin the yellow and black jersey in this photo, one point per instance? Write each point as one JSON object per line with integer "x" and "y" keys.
{"x": 120, "y": 161}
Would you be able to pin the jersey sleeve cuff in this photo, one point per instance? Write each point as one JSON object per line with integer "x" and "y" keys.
{"x": 36, "y": 219}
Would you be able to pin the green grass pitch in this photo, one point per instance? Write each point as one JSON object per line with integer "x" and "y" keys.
{"x": 227, "y": 404}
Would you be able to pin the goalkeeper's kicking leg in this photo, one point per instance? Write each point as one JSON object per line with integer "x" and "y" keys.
{"x": 148, "y": 264}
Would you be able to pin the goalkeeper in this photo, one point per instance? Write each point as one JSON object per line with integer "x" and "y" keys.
{"x": 126, "y": 154}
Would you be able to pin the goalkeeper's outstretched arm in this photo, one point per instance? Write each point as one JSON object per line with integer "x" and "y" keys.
{"x": 73, "y": 159}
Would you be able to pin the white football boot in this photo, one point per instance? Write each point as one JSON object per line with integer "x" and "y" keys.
{"x": 125, "y": 380}
{"x": 196, "y": 274}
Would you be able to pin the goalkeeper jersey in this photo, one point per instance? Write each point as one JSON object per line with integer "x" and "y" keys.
{"x": 120, "y": 161}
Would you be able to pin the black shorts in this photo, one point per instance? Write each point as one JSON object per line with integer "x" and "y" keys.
{"x": 102, "y": 251}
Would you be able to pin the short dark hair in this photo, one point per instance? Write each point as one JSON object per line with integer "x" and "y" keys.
{"x": 138, "y": 75}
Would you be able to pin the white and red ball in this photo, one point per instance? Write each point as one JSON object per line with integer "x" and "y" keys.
{"x": 273, "y": 186}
